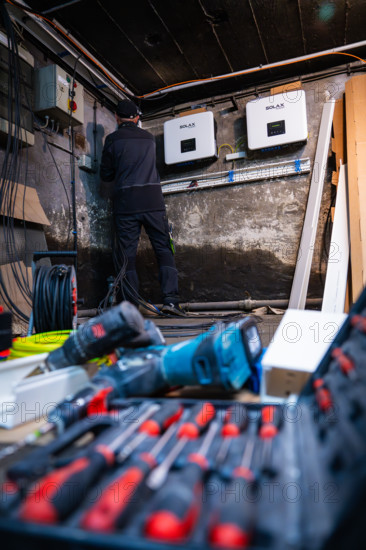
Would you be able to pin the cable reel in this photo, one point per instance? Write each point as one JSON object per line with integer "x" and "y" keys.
{"x": 55, "y": 298}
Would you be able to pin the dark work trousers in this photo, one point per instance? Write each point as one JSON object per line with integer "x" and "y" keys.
{"x": 128, "y": 229}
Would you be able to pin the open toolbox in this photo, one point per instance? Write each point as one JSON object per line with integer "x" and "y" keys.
{"x": 218, "y": 475}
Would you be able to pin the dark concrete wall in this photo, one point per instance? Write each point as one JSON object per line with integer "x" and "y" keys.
{"x": 230, "y": 241}
{"x": 92, "y": 210}
{"x": 242, "y": 239}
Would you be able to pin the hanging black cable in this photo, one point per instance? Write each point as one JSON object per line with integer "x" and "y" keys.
{"x": 72, "y": 167}
{"x": 54, "y": 298}
{"x": 121, "y": 286}
{"x": 11, "y": 168}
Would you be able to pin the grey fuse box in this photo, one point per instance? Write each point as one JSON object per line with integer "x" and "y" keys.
{"x": 54, "y": 97}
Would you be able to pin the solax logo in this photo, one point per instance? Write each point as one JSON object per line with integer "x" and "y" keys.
{"x": 277, "y": 106}
{"x": 190, "y": 125}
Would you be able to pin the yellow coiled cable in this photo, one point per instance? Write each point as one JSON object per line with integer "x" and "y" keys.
{"x": 45, "y": 342}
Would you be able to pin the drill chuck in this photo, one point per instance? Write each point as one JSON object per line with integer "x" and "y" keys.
{"x": 99, "y": 336}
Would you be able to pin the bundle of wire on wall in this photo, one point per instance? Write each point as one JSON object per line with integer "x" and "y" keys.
{"x": 54, "y": 298}
{"x": 14, "y": 169}
{"x": 11, "y": 174}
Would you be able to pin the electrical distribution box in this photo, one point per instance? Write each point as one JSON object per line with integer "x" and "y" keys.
{"x": 277, "y": 120}
{"x": 190, "y": 137}
{"x": 53, "y": 96}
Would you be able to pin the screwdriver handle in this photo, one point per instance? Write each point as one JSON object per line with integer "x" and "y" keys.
{"x": 271, "y": 419}
{"x": 235, "y": 421}
{"x": 166, "y": 416}
{"x": 37, "y": 463}
{"x": 233, "y": 527}
{"x": 60, "y": 492}
{"x": 345, "y": 363}
{"x": 71, "y": 410}
{"x": 199, "y": 417}
{"x": 120, "y": 498}
{"x": 179, "y": 504}
{"x": 322, "y": 395}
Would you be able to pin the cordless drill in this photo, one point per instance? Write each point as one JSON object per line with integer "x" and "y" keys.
{"x": 122, "y": 325}
{"x": 223, "y": 357}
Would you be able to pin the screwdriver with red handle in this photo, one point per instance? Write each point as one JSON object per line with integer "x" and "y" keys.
{"x": 110, "y": 513}
{"x": 123, "y": 496}
{"x": 271, "y": 420}
{"x": 233, "y": 526}
{"x": 323, "y": 396}
{"x": 235, "y": 421}
{"x": 179, "y": 502}
{"x": 54, "y": 499}
{"x": 154, "y": 426}
{"x": 332, "y": 417}
{"x": 345, "y": 364}
{"x": 199, "y": 418}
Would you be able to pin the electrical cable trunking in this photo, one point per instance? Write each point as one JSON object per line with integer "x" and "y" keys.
{"x": 277, "y": 120}
{"x": 189, "y": 138}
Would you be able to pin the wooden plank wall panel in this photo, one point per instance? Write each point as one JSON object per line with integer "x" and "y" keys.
{"x": 356, "y": 161}
{"x": 26, "y": 206}
{"x": 340, "y": 150}
{"x": 338, "y": 141}
{"x": 7, "y": 275}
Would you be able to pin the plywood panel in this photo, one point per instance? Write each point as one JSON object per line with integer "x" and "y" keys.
{"x": 286, "y": 88}
{"x": 356, "y": 149}
{"x": 13, "y": 291}
{"x": 338, "y": 141}
{"x": 25, "y": 206}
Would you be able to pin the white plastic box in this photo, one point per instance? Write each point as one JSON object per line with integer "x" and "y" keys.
{"x": 301, "y": 340}
{"x": 190, "y": 137}
{"x": 277, "y": 120}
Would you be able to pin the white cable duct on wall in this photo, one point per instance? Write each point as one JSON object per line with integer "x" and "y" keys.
{"x": 241, "y": 175}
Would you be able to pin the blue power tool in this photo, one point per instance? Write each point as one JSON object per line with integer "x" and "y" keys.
{"x": 222, "y": 357}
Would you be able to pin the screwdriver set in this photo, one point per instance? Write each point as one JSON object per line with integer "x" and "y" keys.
{"x": 167, "y": 473}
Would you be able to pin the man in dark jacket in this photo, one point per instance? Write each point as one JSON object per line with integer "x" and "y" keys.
{"x": 129, "y": 159}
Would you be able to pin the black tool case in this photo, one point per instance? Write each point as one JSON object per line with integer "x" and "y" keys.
{"x": 309, "y": 487}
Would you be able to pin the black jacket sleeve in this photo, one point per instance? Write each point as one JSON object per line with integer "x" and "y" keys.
{"x": 107, "y": 170}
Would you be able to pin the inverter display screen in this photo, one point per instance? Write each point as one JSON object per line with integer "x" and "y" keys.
{"x": 188, "y": 145}
{"x": 276, "y": 128}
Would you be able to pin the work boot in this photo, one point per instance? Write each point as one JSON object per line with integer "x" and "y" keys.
{"x": 173, "y": 309}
